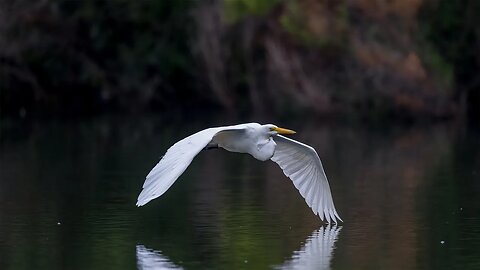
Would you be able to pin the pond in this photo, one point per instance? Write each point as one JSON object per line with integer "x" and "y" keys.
{"x": 409, "y": 198}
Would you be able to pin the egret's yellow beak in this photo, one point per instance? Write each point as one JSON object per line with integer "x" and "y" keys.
{"x": 284, "y": 131}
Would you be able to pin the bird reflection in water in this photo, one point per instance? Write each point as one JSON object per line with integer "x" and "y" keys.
{"x": 316, "y": 253}
{"x": 149, "y": 259}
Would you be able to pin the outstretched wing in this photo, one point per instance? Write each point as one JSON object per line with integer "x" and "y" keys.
{"x": 175, "y": 162}
{"x": 302, "y": 165}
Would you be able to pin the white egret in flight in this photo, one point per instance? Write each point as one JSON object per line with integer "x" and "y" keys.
{"x": 298, "y": 161}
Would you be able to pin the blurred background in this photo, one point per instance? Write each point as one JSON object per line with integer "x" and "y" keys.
{"x": 93, "y": 92}
{"x": 403, "y": 59}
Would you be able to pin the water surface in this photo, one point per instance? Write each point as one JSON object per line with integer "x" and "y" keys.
{"x": 408, "y": 196}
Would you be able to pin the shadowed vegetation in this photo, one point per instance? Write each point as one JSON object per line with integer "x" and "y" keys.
{"x": 374, "y": 59}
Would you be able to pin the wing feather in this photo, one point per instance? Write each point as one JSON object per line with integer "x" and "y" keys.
{"x": 302, "y": 165}
{"x": 175, "y": 162}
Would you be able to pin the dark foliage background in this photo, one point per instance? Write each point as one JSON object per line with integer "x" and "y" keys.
{"x": 374, "y": 59}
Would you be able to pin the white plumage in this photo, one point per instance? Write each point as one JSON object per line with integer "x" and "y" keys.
{"x": 298, "y": 161}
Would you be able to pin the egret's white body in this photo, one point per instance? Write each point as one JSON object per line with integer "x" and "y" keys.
{"x": 298, "y": 161}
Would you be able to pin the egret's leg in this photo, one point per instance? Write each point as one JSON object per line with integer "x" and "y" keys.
{"x": 211, "y": 146}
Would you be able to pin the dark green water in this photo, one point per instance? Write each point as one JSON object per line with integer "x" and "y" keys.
{"x": 409, "y": 198}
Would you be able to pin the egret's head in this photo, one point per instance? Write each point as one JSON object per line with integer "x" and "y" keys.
{"x": 274, "y": 130}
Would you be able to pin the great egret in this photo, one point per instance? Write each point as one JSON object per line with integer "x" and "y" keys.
{"x": 298, "y": 161}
